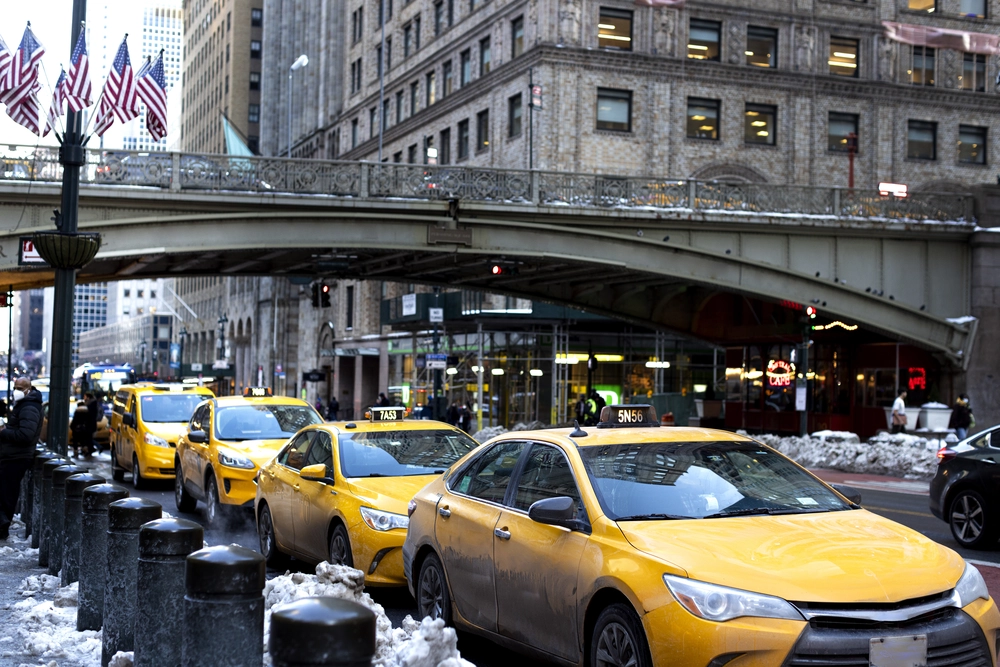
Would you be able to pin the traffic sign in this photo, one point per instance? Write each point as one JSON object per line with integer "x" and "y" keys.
{"x": 27, "y": 254}
{"x": 437, "y": 362}
{"x": 436, "y": 314}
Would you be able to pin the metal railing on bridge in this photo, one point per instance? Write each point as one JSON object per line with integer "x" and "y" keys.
{"x": 197, "y": 172}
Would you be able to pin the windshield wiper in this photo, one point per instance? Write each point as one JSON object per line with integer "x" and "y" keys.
{"x": 652, "y": 517}
{"x": 772, "y": 511}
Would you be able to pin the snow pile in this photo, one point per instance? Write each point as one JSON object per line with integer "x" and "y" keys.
{"x": 47, "y": 629}
{"x": 488, "y": 432}
{"x": 424, "y": 644}
{"x": 898, "y": 455}
{"x": 935, "y": 406}
{"x": 530, "y": 426}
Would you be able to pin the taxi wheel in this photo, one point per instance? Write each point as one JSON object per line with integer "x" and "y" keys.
{"x": 185, "y": 501}
{"x": 971, "y": 520}
{"x": 432, "y": 591}
{"x": 618, "y": 639}
{"x": 340, "y": 547}
{"x": 213, "y": 508}
{"x": 268, "y": 543}
{"x": 117, "y": 472}
{"x": 137, "y": 481}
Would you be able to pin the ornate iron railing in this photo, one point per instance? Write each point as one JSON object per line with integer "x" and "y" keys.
{"x": 184, "y": 171}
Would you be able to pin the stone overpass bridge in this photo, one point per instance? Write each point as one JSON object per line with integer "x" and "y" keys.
{"x": 671, "y": 254}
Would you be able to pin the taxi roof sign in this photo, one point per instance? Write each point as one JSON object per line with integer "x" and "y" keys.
{"x": 387, "y": 414}
{"x": 628, "y": 416}
{"x": 257, "y": 392}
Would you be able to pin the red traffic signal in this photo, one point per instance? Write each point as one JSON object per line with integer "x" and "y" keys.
{"x": 811, "y": 311}
{"x": 497, "y": 270}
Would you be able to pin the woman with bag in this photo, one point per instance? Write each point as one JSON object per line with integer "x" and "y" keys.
{"x": 899, "y": 413}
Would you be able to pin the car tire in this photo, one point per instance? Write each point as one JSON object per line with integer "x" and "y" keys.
{"x": 273, "y": 556}
{"x": 184, "y": 501}
{"x": 213, "y": 506}
{"x": 971, "y": 520}
{"x": 618, "y": 639}
{"x": 433, "y": 598}
{"x": 137, "y": 481}
{"x": 117, "y": 472}
{"x": 340, "y": 547}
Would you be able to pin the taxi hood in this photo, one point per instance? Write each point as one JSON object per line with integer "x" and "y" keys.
{"x": 391, "y": 494}
{"x": 848, "y": 556}
{"x": 258, "y": 451}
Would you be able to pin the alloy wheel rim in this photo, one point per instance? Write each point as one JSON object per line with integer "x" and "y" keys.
{"x": 968, "y": 519}
{"x": 178, "y": 485}
{"x": 431, "y": 594}
{"x": 213, "y": 500}
{"x": 615, "y": 647}
{"x": 266, "y": 532}
{"x": 338, "y": 552}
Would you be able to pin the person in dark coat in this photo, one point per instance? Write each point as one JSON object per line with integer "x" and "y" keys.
{"x": 332, "y": 409}
{"x": 17, "y": 447}
{"x": 93, "y": 416}
{"x": 79, "y": 428}
{"x": 383, "y": 401}
{"x": 961, "y": 417}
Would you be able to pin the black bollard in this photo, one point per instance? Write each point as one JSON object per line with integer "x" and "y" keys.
{"x": 27, "y": 496}
{"x": 36, "y": 499}
{"x": 43, "y": 546}
{"x": 57, "y": 534}
{"x": 94, "y": 553}
{"x": 322, "y": 632}
{"x": 73, "y": 524}
{"x": 164, "y": 545}
{"x": 125, "y": 517}
{"x": 223, "y": 608}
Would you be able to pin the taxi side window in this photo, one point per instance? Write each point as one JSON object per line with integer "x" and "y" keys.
{"x": 295, "y": 454}
{"x": 489, "y": 477}
{"x": 131, "y": 406}
{"x": 320, "y": 451}
{"x": 199, "y": 420}
{"x": 546, "y": 474}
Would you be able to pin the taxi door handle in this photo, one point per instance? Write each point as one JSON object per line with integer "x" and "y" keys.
{"x": 295, "y": 486}
{"x": 501, "y": 533}
{"x": 444, "y": 511}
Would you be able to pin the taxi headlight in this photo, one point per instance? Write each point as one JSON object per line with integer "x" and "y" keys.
{"x": 383, "y": 521}
{"x": 970, "y": 587}
{"x": 231, "y": 459}
{"x": 719, "y": 603}
{"x": 155, "y": 440}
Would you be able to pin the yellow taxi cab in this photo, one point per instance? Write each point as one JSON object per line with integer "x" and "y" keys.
{"x": 227, "y": 441}
{"x": 632, "y": 544}
{"x": 338, "y": 492}
{"x": 147, "y": 419}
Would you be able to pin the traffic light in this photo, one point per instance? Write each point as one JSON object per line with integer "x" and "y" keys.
{"x": 811, "y": 312}
{"x": 324, "y": 295}
{"x": 315, "y": 295}
{"x": 498, "y": 270}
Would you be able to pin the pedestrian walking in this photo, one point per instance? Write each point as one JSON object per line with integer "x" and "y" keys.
{"x": 79, "y": 428}
{"x": 93, "y": 417}
{"x": 899, "y": 413}
{"x": 581, "y": 409}
{"x": 17, "y": 447}
{"x": 332, "y": 409}
{"x": 319, "y": 405}
{"x": 383, "y": 401}
{"x": 961, "y": 417}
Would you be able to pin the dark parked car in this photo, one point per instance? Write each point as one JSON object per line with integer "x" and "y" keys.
{"x": 965, "y": 492}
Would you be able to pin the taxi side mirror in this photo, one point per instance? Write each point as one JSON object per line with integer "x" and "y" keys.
{"x": 316, "y": 473}
{"x": 558, "y": 511}
{"x": 198, "y": 436}
{"x": 128, "y": 419}
{"x": 848, "y": 492}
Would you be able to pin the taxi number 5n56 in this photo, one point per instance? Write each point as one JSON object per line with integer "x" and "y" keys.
{"x": 906, "y": 651}
{"x": 631, "y": 416}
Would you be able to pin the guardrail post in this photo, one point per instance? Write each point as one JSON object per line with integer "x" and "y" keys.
{"x": 223, "y": 608}
{"x": 363, "y": 186}
{"x": 31, "y": 482}
{"x": 72, "y": 532}
{"x": 164, "y": 545}
{"x": 125, "y": 517}
{"x": 535, "y": 187}
{"x": 692, "y": 194}
{"x": 58, "y": 533}
{"x": 94, "y": 553}
{"x": 46, "y": 508}
{"x": 322, "y": 632}
{"x": 175, "y": 171}
{"x": 836, "y": 202}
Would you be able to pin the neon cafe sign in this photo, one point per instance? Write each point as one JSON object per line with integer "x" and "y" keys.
{"x": 780, "y": 373}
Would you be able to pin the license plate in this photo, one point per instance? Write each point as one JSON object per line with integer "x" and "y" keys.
{"x": 906, "y": 651}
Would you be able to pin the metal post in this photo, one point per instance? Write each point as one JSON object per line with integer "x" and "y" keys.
{"x": 73, "y": 517}
{"x": 322, "y": 632}
{"x": 438, "y": 413}
{"x": 46, "y": 509}
{"x": 290, "y": 70}
{"x": 182, "y": 334}
{"x": 10, "y": 343}
{"x": 94, "y": 553}
{"x": 381, "y": 89}
{"x": 553, "y": 419}
{"x": 479, "y": 381}
{"x": 531, "y": 119}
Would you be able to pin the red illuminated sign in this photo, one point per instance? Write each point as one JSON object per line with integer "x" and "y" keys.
{"x": 780, "y": 373}
{"x": 918, "y": 379}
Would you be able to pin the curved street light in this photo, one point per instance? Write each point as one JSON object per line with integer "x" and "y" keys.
{"x": 299, "y": 63}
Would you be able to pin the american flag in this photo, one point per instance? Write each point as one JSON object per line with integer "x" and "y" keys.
{"x": 58, "y": 106}
{"x": 78, "y": 88}
{"x": 22, "y": 74}
{"x": 5, "y": 59}
{"x": 153, "y": 91}
{"x": 120, "y": 96}
{"x": 28, "y": 113}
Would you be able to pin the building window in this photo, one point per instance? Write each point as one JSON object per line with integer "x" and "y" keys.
{"x": 140, "y": 293}
{"x": 974, "y": 72}
{"x": 762, "y": 47}
{"x": 407, "y": 39}
{"x": 444, "y": 154}
{"x": 388, "y": 11}
{"x": 483, "y": 130}
{"x": 447, "y": 78}
{"x": 414, "y": 88}
{"x": 971, "y": 144}
{"x": 254, "y": 80}
{"x": 484, "y": 56}
{"x": 972, "y": 8}
{"x": 256, "y": 17}
{"x": 843, "y": 56}
{"x": 759, "y": 124}
{"x": 514, "y": 113}
{"x": 397, "y": 157}
{"x": 354, "y": 133}
{"x": 411, "y": 154}
{"x": 255, "y": 49}
{"x": 517, "y": 37}
{"x": 253, "y": 115}
{"x": 416, "y": 33}
{"x": 463, "y": 139}
{"x": 614, "y": 29}
{"x": 399, "y": 107}
{"x": 922, "y": 73}
{"x": 703, "y": 40}
{"x": 126, "y": 292}
{"x": 921, "y": 5}
{"x": 451, "y": 12}
{"x": 428, "y": 145}
{"x": 614, "y": 110}
{"x": 921, "y": 140}
{"x": 840, "y": 127}
{"x": 385, "y": 114}
{"x": 388, "y": 53}
{"x": 465, "y": 68}
{"x": 357, "y": 24}
{"x": 431, "y": 91}
{"x": 438, "y": 17}
{"x": 253, "y": 143}
{"x": 356, "y": 76}
{"x": 350, "y": 308}
{"x": 371, "y": 122}
{"x": 702, "y": 118}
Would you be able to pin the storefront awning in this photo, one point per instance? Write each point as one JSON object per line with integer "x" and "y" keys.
{"x": 941, "y": 38}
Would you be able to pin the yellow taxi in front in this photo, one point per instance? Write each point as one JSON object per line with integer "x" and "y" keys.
{"x": 227, "y": 441}
{"x": 338, "y": 492}
{"x": 631, "y": 544}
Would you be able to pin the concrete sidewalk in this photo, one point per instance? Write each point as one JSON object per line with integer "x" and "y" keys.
{"x": 875, "y": 482}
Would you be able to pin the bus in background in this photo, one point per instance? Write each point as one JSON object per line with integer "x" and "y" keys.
{"x": 102, "y": 379}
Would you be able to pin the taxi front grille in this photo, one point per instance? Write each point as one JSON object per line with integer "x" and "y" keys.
{"x": 953, "y": 640}
{"x": 167, "y": 471}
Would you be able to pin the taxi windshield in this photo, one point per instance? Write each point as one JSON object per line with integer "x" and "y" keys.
{"x": 262, "y": 422}
{"x": 701, "y": 480}
{"x": 168, "y": 408}
{"x": 401, "y": 453}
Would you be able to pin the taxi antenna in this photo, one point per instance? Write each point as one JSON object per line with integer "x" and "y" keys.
{"x": 577, "y": 431}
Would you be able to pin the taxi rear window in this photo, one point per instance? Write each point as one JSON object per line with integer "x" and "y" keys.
{"x": 262, "y": 422}
{"x": 401, "y": 453}
{"x": 695, "y": 480}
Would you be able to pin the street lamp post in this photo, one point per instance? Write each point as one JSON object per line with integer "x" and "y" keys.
{"x": 221, "y": 340}
{"x": 299, "y": 63}
{"x": 142, "y": 347}
{"x": 182, "y": 335}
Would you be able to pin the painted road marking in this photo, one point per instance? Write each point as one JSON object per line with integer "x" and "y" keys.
{"x": 887, "y": 509}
